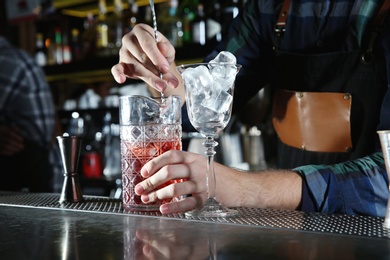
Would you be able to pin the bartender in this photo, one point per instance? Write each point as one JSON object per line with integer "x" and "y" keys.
{"x": 329, "y": 65}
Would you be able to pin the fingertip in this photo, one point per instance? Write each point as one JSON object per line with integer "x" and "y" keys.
{"x": 164, "y": 209}
{"x": 145, "y": 198}
{"x": 165, "y": 68}
{"x": 147, "y": 250}
{"x": 138, "y": 189}
{"x": 160, "y": 85}
{"x": 174, "y": 83}
{"x": 119, "y": 76}
{"x": 144, "y": 171}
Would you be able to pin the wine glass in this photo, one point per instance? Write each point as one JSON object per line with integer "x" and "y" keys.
{"x": 209, "y": 97}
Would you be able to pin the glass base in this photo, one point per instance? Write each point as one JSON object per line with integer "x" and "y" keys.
{"x": 212, "y": 209}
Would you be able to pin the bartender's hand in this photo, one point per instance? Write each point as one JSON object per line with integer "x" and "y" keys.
{"x": 141, "y": 58}
{"x": 173, "y": 166}
{"x": 280, "y": 189}
{"x": 11, "y": 142}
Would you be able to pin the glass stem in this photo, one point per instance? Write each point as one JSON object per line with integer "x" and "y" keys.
{"x": 210, "y": 144}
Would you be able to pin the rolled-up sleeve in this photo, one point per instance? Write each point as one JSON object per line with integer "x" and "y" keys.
{"x": 357, "y": 187}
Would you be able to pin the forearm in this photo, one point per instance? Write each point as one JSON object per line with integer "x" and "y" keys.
{"x": 266, "y": 189}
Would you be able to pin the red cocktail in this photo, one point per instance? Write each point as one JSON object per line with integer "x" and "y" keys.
{"x": 136, "y": 154}
{"x": 143, "y": 140}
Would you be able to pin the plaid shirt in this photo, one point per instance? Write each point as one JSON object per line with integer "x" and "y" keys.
{"x": 26, "y": 102}
{"x": 25, "y": 97}
{"x": 353, "y": 187}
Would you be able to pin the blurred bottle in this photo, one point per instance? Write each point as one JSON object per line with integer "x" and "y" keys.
{"x": 187, "y": 13}
{"x": 214, "y": 21}
{"x": 76, "y": 125}
{"x": 91, "y": 156}
{"x": 50, "y": 51}
{"x": 230, "y": 9}
{"x": 111, "y": 141}
{"x": 66, "y": 50}
{"x": 199, "y": 26}
{"x": 40, "y": 55}
{"x": 131, "y": 16}
{"x": 58, "y": 46}
{"x": 169, "y": 23}
{"x": 75, "y": 45}
{"x": 89, "y": 100}
{"x": 89, "y": 37}
{"x": 102, "y": 41}
{"x": 148, "y": 18}
{"x": 117, "y": 25}
{"x": 92, "y": 161}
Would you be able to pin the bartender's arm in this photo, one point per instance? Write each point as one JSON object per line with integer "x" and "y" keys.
{"x": 354, "y": 187}
{"x": 270, "y": 189}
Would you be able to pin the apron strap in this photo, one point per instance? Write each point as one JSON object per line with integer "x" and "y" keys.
{"x": 280, "y": 26}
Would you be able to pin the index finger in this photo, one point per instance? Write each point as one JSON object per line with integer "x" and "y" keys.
{"x": 118, "y": 71}
{"x": 158, "y": 53}
{"x": 169, "y": 157}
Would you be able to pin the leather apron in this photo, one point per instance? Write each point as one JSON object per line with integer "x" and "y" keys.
{"x": 311, "y": 78}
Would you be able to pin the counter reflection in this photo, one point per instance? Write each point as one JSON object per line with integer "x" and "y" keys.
{"x": 32, "y": 233}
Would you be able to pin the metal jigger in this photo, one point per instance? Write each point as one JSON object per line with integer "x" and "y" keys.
{"x": 70, "y": 153}
{"x": 384, "y": 137}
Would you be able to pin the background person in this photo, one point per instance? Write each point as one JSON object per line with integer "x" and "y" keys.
{"x": 29, "y": 156}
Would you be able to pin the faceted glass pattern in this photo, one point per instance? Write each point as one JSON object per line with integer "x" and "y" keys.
{"x": 140, "y": 144}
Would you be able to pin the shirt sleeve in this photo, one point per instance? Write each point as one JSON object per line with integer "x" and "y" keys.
{"x": 357, "y": 187}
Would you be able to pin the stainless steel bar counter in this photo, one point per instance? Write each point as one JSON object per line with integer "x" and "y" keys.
{"x": 36, "y": 226}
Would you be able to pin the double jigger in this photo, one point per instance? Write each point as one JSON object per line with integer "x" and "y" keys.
{"x": 70, "y": 147}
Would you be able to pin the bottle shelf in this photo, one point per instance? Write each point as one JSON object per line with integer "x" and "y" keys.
{"x": 81, "y": 9}
{"x": 98, "y": 69}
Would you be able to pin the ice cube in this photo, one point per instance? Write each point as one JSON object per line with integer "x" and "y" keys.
{"x": 197, "y": 77}
{"x": 219, "y": 100}
{"x": 225, "y": 57}
{"x": 223, "y": 69}
{"x": 149, "y": 110}
{"x": 203, "y": 115}
{"x": 139, "y": 110}
{"x": 190, "y": 82}
{"x": 170, "y": 111}
{"x": 195, "y": 98}
{"x": 225, "y": 74}
{"x": 203, "y": 76}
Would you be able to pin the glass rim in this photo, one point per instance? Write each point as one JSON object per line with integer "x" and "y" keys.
{"x": 143, "y": 96}
{"x": 186, "y": 65}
